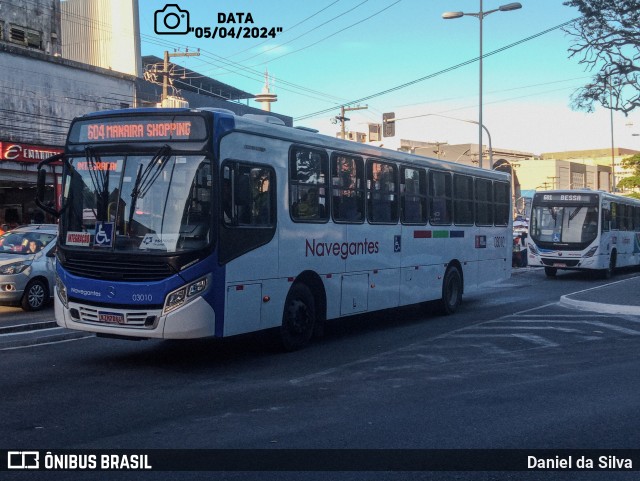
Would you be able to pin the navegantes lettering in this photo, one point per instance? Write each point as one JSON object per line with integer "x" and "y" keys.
{"x": 343, "y": 250}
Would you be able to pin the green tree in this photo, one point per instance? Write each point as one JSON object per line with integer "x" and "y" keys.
{"x": 633, "y": 181}
{"x": 607, "y": 42}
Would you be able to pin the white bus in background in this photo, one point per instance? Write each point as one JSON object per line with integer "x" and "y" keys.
{"x": 235, "y": 224}
{"x": 583, "y": 229}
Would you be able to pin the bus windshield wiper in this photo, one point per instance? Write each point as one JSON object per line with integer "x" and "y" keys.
{"x": 574, "y": 213}
{"x": 99, "y": 179}
{"x": 147, "y": 177}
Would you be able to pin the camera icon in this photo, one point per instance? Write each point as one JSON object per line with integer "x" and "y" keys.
{"x": 171, "y": 20}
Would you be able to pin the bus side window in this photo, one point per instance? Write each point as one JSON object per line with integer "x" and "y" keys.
{"x": 440, "y": 197}
{"x": 382, "y": 192}
{"x": 606, "y": 220}
{"x": 242, "y": 198}
{"x": 348, "y": 193}
{"x": 413, "y": 195}
{"x": 614, "y": 216}
{"x": 308, "y": 184}
{"x": 502, "y": 201}
{"x": 248, "y": 196}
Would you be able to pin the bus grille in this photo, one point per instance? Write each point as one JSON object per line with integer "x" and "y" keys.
{"x": 119, "y": 270}
{"x": 566, "y": 262}
{"x": 132, "y": 318}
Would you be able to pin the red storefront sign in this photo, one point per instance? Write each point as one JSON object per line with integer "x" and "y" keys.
{"x": 18, "y": 152}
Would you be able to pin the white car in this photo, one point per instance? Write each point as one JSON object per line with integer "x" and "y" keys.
{"x": 27, "y": 266}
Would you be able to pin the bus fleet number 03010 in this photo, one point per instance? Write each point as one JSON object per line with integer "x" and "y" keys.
{"x": 142, "y": 297}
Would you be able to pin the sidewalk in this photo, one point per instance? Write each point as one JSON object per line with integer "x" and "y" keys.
{"x": 621, "y": 297}
{"x": 19, "y": 328}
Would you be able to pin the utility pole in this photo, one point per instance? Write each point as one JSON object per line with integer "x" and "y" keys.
{"x": 438, "y": 151}
{"x": 342, "y": 118}
{"x": 165, "y": 71}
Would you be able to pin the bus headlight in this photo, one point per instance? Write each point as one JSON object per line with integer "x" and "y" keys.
{"x": 591, "y": 251}
{"x": 62, "y": 292}
{"x": 183, "y": 295}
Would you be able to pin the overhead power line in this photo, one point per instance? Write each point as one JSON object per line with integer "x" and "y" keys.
{"x": 435, "y": 74}
{"x": 307, "y": 32}
{"x": 333, "y": 34}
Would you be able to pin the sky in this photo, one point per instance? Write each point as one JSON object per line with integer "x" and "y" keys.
{"x": 334, "y": 52}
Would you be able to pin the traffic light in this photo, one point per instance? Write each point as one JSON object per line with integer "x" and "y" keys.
{"x": 389, "y": 124}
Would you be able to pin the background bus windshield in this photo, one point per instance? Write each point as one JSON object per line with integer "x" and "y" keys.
{"x": 564, "y": 224}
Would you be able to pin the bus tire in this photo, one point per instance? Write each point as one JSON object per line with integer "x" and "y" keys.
{"x": 608, "y": 272}
{"x": 298, "y": 318}
{"x": 451, "y": 291}
{"x": 550, "y": 271}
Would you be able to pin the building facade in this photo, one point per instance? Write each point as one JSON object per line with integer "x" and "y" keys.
{"x": 102, "y": 33}
{"x": 603, "y": 157}
{"x": 39, "y": 96}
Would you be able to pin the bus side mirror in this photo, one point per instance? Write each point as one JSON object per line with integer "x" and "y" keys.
{"x": 41, "y": 184}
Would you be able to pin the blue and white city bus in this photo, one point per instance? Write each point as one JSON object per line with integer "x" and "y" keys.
{"x": 583, "y": 229}
{"x": 179, "y": 223}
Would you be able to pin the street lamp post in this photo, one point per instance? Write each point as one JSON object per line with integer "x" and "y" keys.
{"x": 480, "y": 16}
{"x": 454, "y": 118}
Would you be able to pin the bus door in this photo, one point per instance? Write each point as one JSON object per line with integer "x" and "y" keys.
{"x": 248, "y": 240}
{"x": 374, "y": 242}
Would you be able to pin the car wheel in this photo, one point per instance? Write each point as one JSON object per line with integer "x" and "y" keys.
{"x": 35, "y": 295}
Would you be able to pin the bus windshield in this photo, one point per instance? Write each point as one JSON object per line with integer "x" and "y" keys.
{"x": 564, "y": 224}
{"x": 142, "y": 203}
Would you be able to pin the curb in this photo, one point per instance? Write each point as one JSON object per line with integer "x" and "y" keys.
{"x": 16, "y": 337}
{"x": 32, "y": 326}
{"x": 599, "y": 307}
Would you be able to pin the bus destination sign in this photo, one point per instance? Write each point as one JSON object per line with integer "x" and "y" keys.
{"x": 138, "y": 129}
{"x": 567, "y": 198}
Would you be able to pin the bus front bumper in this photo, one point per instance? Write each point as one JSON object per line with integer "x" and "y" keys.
{"x": 194, "y": 320}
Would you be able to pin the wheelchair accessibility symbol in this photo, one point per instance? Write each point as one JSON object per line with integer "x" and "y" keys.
{"x": 104, "y": 234}
{"x": 397, "y": 243}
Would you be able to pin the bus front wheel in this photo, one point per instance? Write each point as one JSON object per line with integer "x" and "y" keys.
{"x": 550, "y": 271}
{"x": 298, "y": 318}
{"x": 608, "y": 272}
{"x": 451, "y": 290}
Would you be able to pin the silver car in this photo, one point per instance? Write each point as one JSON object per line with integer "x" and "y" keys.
{"x": 27, "y": 266}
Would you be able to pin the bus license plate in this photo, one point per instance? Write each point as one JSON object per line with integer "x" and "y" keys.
{"x": 111, "y": 317}
{"x": 559, "y": 264}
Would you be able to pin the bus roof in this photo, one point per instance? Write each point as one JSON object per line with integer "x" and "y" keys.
{"x": 266, "y": 126}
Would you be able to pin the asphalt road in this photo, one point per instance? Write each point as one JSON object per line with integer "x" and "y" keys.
{"x": 511, "y": 369}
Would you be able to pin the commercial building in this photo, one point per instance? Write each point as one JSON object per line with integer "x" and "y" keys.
{"x": 102, "y": 33}
{"x": 61, "y": 60}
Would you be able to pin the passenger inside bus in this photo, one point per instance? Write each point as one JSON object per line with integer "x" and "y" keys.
{"x": 590, "y": 227}
{"x": 309, "y": 206}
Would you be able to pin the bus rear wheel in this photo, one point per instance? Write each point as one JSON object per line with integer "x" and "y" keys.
{"x": 298, "y": 318}
{"x": 550, "y": 271}
{"x": 451, "y": 291}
